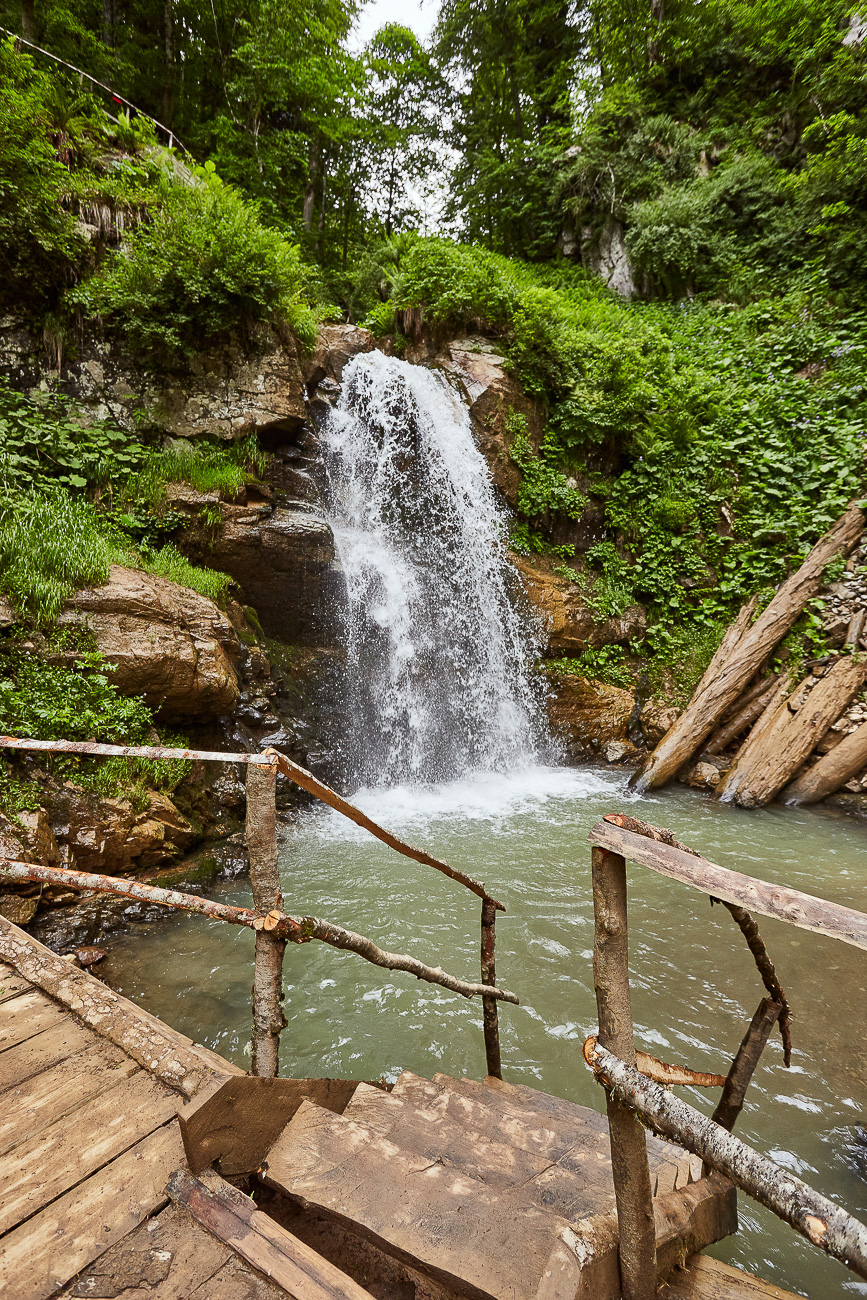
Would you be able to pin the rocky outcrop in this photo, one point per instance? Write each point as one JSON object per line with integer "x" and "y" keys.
{"x": 336, "y": 345}
{"x": 168, "y": 644}
{"x": 280, "y": 554}
{"x": 226, "y": 390}
{"x": 568, "y": 622}
{"x": 114, "y": 835}
{"x": 590, "y": 719}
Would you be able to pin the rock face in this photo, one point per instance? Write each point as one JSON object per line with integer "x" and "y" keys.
{"x": 566, "y": 618}
{"x": 112, "y": 835}
{"x": 168, "y": 643}
{"x": 281, "y": 556}
{"x": 227, "y": 390}
{"x": 335, "y": 347}
{"x": 590, "y": 718}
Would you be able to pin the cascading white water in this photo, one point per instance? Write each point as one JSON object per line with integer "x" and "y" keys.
{"x": 438, "y": 679}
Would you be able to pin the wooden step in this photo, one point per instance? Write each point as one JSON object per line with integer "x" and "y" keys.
{"x": 552, "y": 1130}
{"x": 704, "y": 1278}
{"x": 437, "y": 1209}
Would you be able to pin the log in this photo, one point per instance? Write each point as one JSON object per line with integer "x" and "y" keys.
{"x": 856, "y": 628}
{"x": 490, "y": 1019}
{"x": 791, "y": 905}
{"x": 629, "y": 1163}
{"x": 752, "y": 707}
{"x": 682, "y": 1075}
{"x": 294, "y": 929}
{"x": 787, "y": 733}
{"x": 832, "y": 771}
{"x": 268, "y": 1019}
{"x": 744, "y": 1064}
{"x": 717, "y": 691}
{"x": 810, "y": 1213}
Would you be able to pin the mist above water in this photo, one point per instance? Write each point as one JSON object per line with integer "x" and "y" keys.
{"x": 438, "y": 662}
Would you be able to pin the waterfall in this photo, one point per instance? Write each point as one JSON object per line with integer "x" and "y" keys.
{"x": 438, "y": 664}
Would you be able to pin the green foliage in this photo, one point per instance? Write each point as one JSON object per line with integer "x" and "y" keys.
{"x": 204, "y": 264}
{"x": 206, "y": 467}
{"x": 168, "y": 562}
{"x": 681, "y": 657}
{"x": 42, "y": 444}
{"x": 543, "y": 490}
{"x": 50, "y": 545}
{"x": 605, "y": 664}
{"x": 48, "y": 701}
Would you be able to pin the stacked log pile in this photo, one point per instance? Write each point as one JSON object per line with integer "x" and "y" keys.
{"x": 752, "y": 733}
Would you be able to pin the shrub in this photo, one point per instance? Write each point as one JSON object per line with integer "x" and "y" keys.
{"x": 47, "y": 701}
{"x": 203, "y": 265}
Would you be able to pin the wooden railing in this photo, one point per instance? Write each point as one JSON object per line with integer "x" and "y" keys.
{"x": 633, "y": 1092}
{"x": 272, "y": 926}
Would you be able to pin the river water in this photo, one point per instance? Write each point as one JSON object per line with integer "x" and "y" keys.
{"x": 525, "y": 835}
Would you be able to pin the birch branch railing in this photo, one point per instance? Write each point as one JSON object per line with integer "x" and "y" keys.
{"x": 273, "y": 928}
{"x": 631, "y": 1093}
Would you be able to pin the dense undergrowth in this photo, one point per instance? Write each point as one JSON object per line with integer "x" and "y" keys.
{"x": 722, "y": 440}
{"x": 196, "y": 260}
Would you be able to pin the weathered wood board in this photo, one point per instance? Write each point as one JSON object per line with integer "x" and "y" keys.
{"x": 704, "y": 1278}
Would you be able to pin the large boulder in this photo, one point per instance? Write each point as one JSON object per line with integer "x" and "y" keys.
{"x": 169, "y": 644}
{"x": 568, "y": 623}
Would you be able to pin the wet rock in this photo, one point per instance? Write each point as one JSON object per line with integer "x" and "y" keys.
{"x": 703, "y": 776}
{"x": 169, "y": 644}
{"x": 336, "y": 345}
{"x": 111, "y": 836}
{"x": 568, "y": 623}
{"x": 587, "y": 716}
{"x": 17, "y": 909}
{"x": 656, "y": 719}
{"x": 620, "y": 751}
{"x": 283, "y": 559}
{"x": 89, "y": 956}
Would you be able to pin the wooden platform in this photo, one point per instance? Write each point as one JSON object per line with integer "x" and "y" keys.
{"x": 91, "y": 1155}
{"x": 440, "y": 1188}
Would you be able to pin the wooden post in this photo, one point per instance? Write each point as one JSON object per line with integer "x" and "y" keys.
{"x": 268, "y": 1020}
{"x": 490, "y": 1018}
{"x": 628, "y": 1141}
{"x": 746, "y": 1059}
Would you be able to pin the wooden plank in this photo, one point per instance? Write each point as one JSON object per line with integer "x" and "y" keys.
{"x": 47, "y": 1096}
{"x": 444, "y": 1223}
{"x": 11, "y": 983}
{"x": 25, "y": 1016}
{"x": 43, "y": 1050}
{"x": 802, "y": 910}
{"x": 156, "y": 1046}
{"x": 304, "y": 1273}
{"x": 704, "y": 1278}
{"x": 239, "y": 1122}
{"x": 39, "y": 1169}
{"x": 169, "y": 1257}
{"x": 563, "y": 1124}
{"x": 45, "y": 1252}
{"x": 480, "y": 1240}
